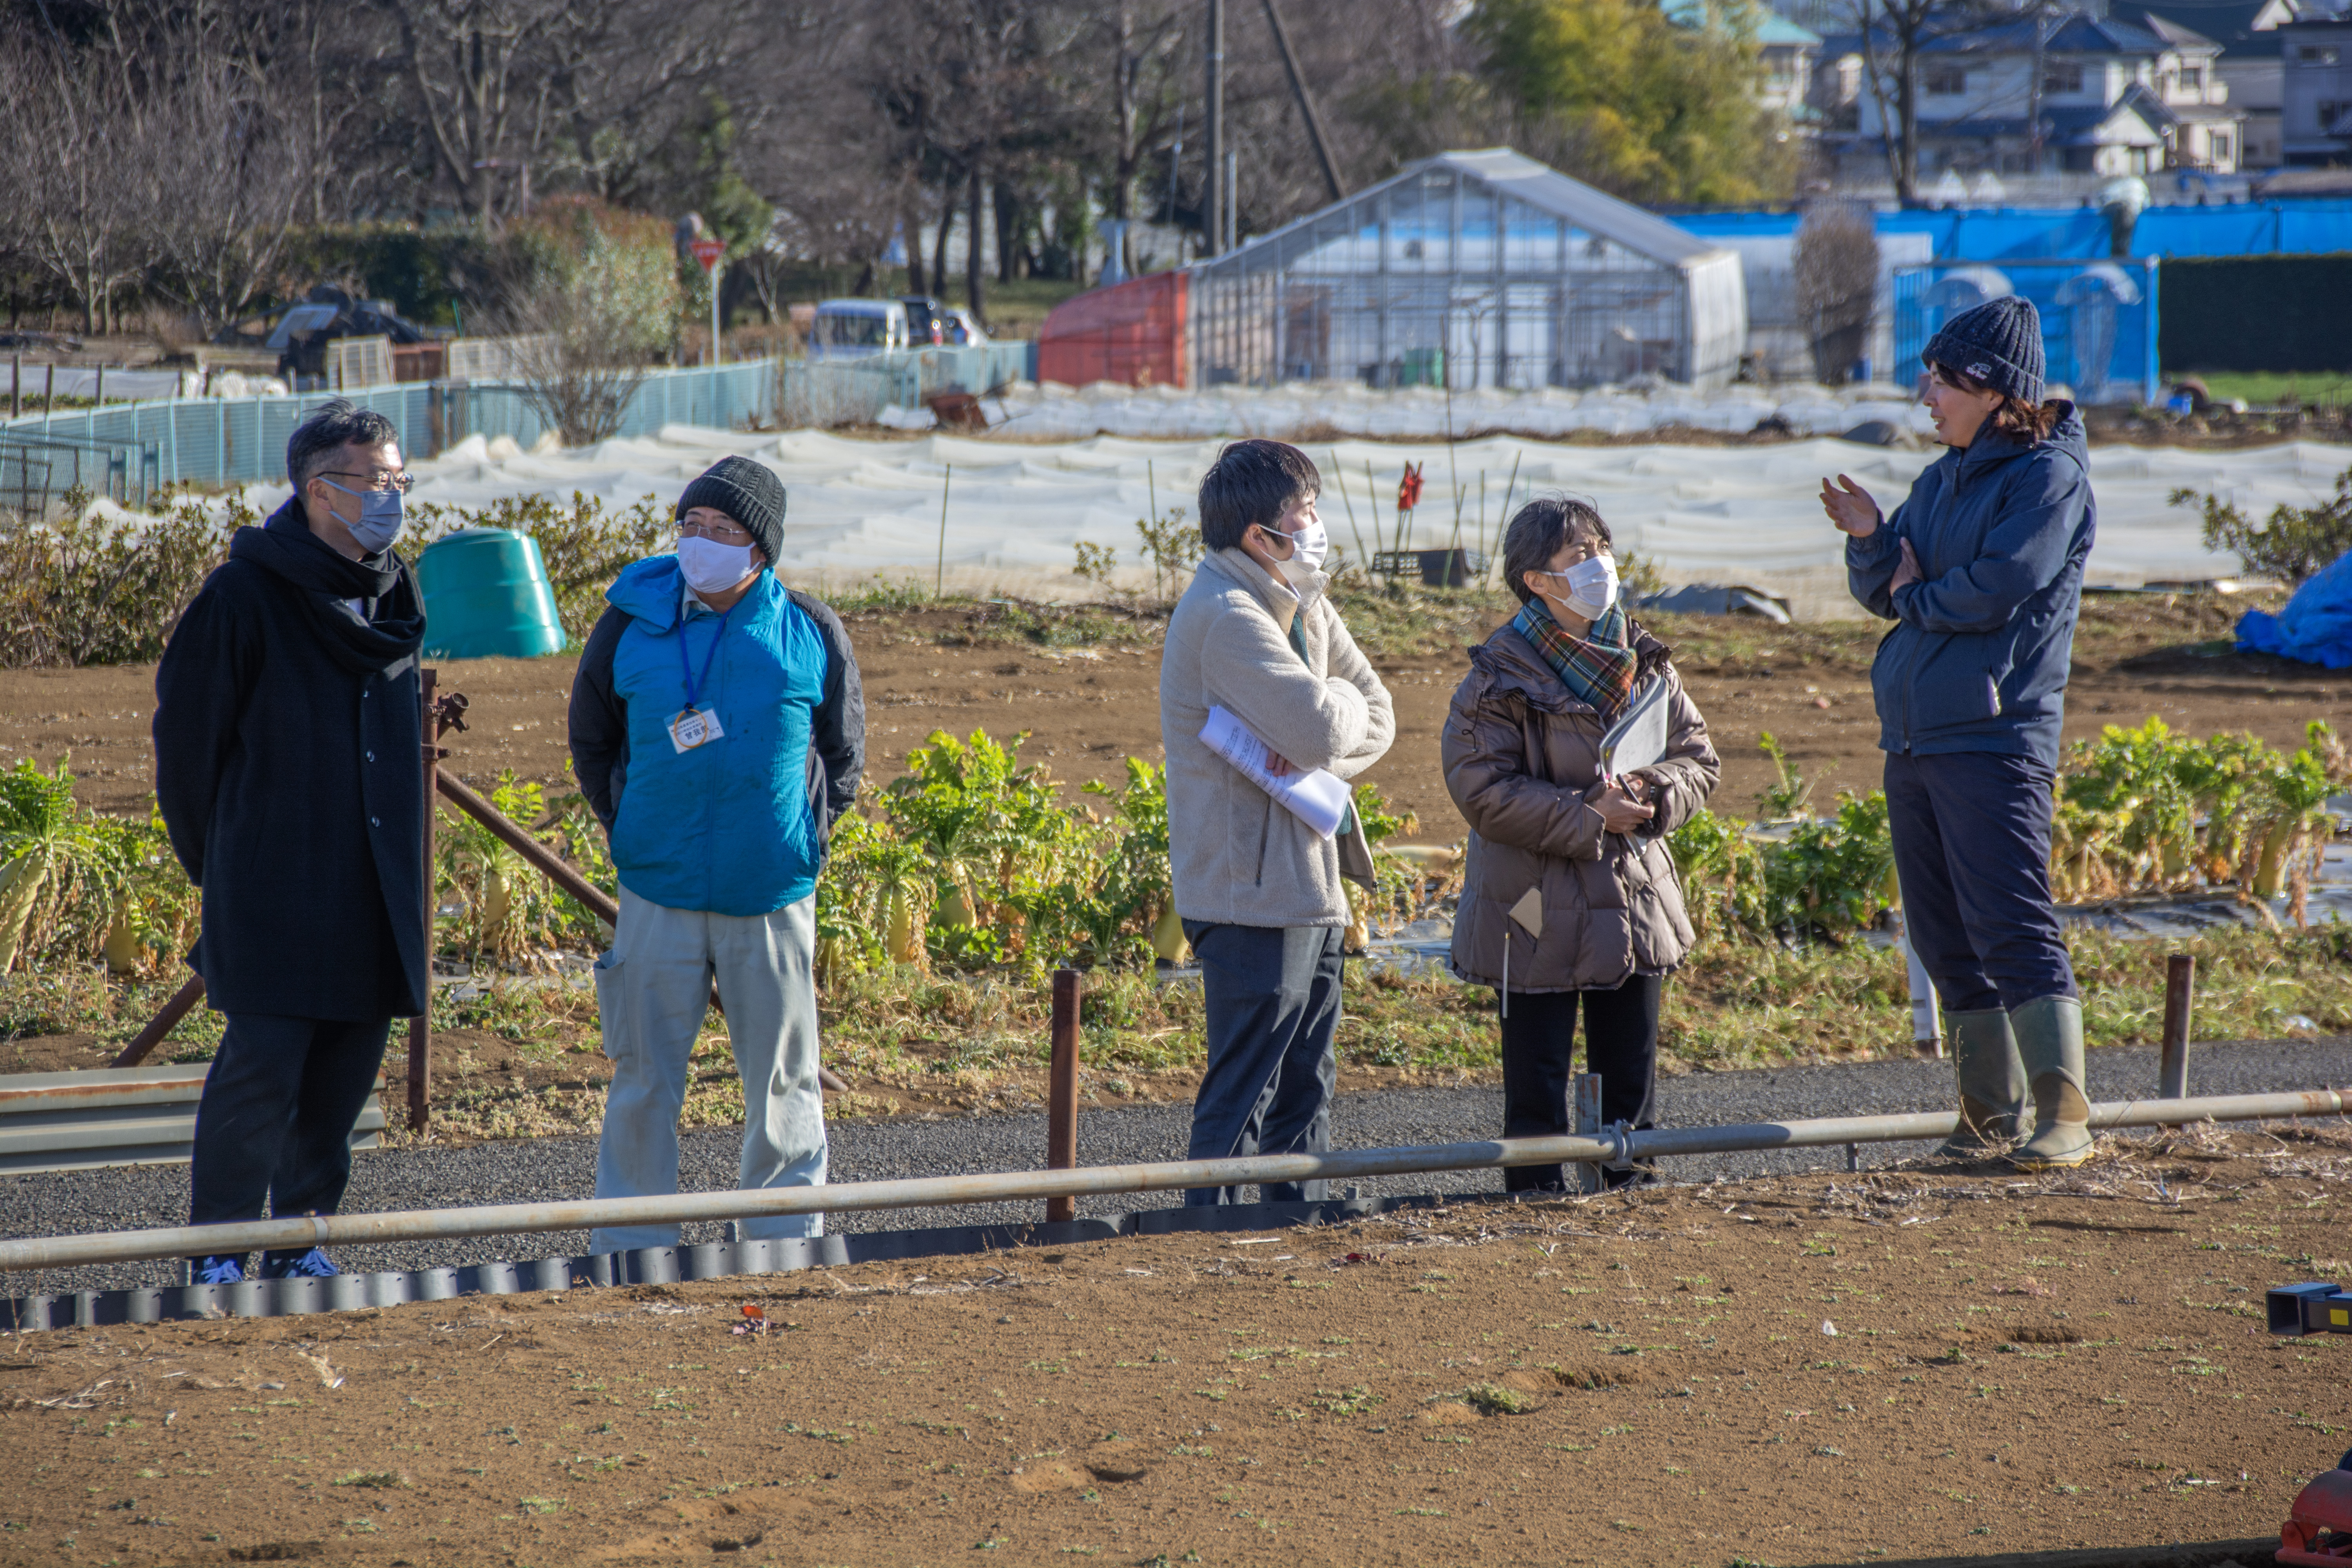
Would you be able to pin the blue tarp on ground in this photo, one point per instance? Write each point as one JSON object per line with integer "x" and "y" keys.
{"x": 2315, "y": 626}
{"x": 2302, "y": 226}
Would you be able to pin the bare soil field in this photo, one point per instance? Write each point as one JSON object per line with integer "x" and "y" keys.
{"x": 1084, "y": 684}
{"x": 1926, "y": 1361}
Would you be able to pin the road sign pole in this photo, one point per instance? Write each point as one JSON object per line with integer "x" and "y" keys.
{"x": 710, "y": 253}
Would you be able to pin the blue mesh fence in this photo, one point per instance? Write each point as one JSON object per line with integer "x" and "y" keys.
{"x": 139, "y": 445}
{"x": 128, "y": 449}
{"x": 2098, "y": 318}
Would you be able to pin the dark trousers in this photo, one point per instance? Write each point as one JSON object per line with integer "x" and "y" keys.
{"x": 1620, "y": 1043}
{"x": 1272, "y": 995}
{"x": 1972, "y": 848}
{"x": 275, "y": 1123}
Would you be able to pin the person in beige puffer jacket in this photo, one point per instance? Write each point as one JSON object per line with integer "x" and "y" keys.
{"x": 1522, "y": 761}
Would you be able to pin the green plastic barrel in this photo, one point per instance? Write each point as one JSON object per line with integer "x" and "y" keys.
{"x": 486, "y": 597}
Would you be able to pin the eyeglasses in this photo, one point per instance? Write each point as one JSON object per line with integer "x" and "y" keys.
{"x": 716, "y": 532}
{"x": 382, "y": 479}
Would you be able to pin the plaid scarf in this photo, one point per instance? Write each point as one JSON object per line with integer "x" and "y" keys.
{"x": 1599, "y": 668}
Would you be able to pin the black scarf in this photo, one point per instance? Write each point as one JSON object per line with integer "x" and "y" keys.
{"x": 391, "y": 627}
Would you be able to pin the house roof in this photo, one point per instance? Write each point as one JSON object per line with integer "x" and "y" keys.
{"x": 2076, "y": 33}
{"x": 1771, "y": 27}
{"x": 2070, "y": 126}
{"x": 1776, "y": 31}
{"x": 2229, "y": 23}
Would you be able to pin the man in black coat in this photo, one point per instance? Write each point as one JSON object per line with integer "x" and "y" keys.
{"x": 287, "y": 769}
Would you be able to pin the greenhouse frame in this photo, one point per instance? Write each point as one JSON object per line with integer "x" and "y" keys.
{"x": 1471, "y": 269}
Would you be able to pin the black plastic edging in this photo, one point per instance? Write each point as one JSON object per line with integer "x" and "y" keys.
{"x": 650, "y": 1266}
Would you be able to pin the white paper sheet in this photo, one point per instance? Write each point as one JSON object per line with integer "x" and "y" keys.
{"x": 1316, "y": 797}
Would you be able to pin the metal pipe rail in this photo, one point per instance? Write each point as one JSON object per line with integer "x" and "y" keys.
{"x": 1614, "y": 1147}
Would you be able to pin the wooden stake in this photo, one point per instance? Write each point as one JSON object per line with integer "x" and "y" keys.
{"x": 2179, "y": 994}
{"x": 1062, "y": 1096}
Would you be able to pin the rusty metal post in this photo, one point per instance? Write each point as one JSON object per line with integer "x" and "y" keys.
{"x": 420, "y": 1029}
{"x": 147, "y": 1040}
{"x": 1062, "y": 1096}
{"x": 2180, "y": 991}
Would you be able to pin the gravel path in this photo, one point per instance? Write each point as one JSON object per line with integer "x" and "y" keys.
{"x": 545, "y": 1169}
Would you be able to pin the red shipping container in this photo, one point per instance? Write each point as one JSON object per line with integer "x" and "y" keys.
{"x": 1131, "y": 332}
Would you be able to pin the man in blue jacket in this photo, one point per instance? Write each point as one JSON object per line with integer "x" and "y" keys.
{"x": 718, "y": 729}
{"x": 1981, "y": 573}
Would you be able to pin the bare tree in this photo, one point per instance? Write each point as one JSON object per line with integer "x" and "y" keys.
{"x": 75, "y": 125}
{"x": 591, "y": 296}
{"x": 221, "y": 179}
{"x": 1150, "y": 69}
{"x": 1835, "y": 260}
{"x": 483, "y": 74}
{"x": 1895, "y": 33}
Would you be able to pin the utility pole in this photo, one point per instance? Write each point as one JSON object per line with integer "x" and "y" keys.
{"x": 1213, "y": 208}
{"x": 1305, "y": 103}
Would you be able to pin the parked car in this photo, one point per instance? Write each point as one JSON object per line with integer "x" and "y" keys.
{"x": 857, "y": 328}
{"x": 929, "y": 321}
{"x": 964, "y": 331}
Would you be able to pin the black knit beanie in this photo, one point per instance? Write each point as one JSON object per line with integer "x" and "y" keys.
{"x": 1999, "y": 343}
{"x": 747, "y": 492}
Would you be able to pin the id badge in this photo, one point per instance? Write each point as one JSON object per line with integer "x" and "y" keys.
{"x": 694, "y": 727}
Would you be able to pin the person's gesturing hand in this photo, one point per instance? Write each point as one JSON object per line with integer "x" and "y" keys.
{"x": 1620, "y": 811}
{"x": 1850, "y": 507}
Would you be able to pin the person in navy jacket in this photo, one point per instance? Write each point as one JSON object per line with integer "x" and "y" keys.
{"x": 718, "y": 730}
{"x": 1981, "y": 573}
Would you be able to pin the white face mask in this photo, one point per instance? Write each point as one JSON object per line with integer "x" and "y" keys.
{"x": 1310, "y": 546}
{"x": 710, "y": 567}
{"x": 1591, "y": 586}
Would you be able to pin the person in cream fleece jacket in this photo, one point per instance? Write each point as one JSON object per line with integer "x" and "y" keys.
{"x": 1260, "y": 892}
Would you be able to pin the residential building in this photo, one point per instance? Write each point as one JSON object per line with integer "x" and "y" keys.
{"x": 1789, "y": 52}
{"x": 2247, "y": 31}
{"x": 2082, "y": 93}
{"x": 2316, "y": 106}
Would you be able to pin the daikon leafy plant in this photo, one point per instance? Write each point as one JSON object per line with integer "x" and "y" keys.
{"x": 2143, "y": 811}
{"x": 491, "y": 902}
{"x": 61, "y": 868}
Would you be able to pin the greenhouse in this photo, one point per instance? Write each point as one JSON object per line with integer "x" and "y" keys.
{"x": 1471, "y": 269}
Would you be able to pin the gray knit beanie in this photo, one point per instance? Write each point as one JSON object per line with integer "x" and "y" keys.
{"x": 748, "y": 491}
{"x": 1999, "y": 343}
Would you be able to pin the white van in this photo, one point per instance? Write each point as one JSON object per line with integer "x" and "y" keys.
{"x": 856, "y": 329}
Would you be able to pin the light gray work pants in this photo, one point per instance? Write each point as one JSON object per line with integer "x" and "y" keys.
{"x": 652, "y": 990}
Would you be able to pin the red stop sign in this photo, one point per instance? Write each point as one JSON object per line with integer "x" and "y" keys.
{"x": 708, "y": 252}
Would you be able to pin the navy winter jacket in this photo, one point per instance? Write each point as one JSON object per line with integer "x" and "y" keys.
{"x": 1978, "y": 656}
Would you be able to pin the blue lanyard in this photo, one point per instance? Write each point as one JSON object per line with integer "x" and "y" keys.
{"x": 693, "y": 682}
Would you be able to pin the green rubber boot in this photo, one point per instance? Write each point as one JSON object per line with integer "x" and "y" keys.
{"x": 1992, "y": 1083}
{"x": 2050, "y": 1041}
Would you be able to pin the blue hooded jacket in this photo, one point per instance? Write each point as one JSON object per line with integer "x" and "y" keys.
{"x": 737, "y": 826}
{"x": 1982, "y": 642}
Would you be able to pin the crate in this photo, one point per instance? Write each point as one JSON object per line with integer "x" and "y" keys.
{"x": 1436, "y": 568}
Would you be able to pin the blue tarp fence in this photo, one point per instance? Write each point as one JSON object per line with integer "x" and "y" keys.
{"x": 2098, "y": 318}
{"x": 2002, "y": 234}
